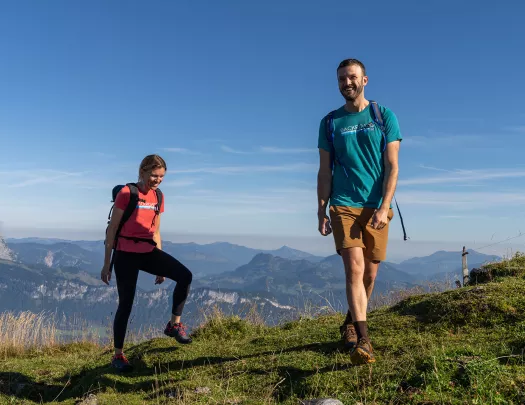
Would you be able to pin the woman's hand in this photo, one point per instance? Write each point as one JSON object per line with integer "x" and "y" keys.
{"x": 105, "y": 274}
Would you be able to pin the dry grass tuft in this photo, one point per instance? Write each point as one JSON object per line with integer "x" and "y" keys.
{"x": 26, "y": 330}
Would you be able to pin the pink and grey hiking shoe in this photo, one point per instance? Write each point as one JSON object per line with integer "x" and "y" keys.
{"x": 121, "y": 363}
{"x": 177, "y": 331}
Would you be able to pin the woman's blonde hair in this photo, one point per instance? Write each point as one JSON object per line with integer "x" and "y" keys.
{"x": 151, "y": 162}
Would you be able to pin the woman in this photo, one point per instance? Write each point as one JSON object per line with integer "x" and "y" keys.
{"x": 139, "y": 248}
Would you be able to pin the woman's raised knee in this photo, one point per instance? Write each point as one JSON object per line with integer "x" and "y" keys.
{"x": 185, "y": 276}
{"x": 189, "y": 277}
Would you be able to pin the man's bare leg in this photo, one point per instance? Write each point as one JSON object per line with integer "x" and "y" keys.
{"x": 356, "y": 292}
{"x": 369, "y": 277}
{"x": 354, "y": 262}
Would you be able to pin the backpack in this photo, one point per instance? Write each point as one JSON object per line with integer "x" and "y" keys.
{"x": 330, "y": 133}
{"x": 132, "y": 205}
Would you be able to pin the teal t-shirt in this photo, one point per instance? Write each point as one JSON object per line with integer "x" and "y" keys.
{"x": 358, "y": 144}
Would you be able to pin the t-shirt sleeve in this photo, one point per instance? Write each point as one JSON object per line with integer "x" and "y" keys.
{"x": 122, "y": 199}
{"x": 393, "y": 133}
{"x": 322, "y": 142}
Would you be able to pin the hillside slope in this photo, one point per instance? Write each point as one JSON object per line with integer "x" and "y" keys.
{"x": 461, "y": 346}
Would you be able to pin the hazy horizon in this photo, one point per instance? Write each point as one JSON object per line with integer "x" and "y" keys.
{"x": 399, "y": 250}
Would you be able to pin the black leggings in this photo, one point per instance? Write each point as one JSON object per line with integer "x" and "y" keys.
{"x": 158, "y": 263}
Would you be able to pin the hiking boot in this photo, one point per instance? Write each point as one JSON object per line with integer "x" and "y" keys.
{"x": 120, "y": 362}
{"x": 177, "y": 331}
{"x": 349, "y": 335}
{"x": 363, "y": 352}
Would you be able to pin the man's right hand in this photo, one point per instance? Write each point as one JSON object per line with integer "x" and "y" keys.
{"x": 105, "y": 274}
{"x": 324, "y": 225}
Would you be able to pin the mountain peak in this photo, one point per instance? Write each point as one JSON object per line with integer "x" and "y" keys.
{"x": 263, "y": 256}
{"x": 5, "y": 252}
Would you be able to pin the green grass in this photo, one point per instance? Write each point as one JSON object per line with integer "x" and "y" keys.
{"x": 460, "y": 346}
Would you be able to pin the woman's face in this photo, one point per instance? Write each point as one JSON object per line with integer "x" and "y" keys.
{"x": 152, "y": 179}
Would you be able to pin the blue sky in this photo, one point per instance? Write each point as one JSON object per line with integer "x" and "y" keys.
{"x": 231, "y": 94}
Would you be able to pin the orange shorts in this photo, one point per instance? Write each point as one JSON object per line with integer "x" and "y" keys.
{"x": 352, "y": 227}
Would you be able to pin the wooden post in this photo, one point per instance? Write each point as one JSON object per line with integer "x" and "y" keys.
{"x": 465, "y": 266}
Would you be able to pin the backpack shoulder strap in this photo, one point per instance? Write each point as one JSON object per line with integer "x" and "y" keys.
{"x": 159, "y": 200}
{"x": 330, "y": 133}
{"x": 378, "y": 119}
{"x": 132, "y": 204}
{"x": 376, "y": 113}
{"x": 329, "y": 126}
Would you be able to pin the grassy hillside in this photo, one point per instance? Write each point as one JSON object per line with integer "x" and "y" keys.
{"x": 461, "y": 346}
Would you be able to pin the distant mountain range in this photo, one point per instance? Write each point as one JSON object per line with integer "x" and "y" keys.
{"x": 64, "y": 276}
{"x": 443, "y": 264}
{"x": 206, "y": 259}
{"x": 78, "y": 298}
{"x": 57, "y": 255}
{"x": 221, "y": 257}
{"x": 289, "y": 278}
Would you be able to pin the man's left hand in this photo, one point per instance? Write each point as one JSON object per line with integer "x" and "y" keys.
{"x": 380, "y": 219}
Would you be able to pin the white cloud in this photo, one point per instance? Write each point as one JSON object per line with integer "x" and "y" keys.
{"x": 231, "y": 150}
{"x": 415, "y": 141}
{"x": 293, "y": 190}
{"x": 520, "y": 129}
{"x": 17, "y": 179}
{"x": 462, "y": 200}
{"x": 231, "y": 211}
{"x": 105, "y": 155}
{"x": 472, "y": 120}
{"x": 295, "y": 167}
{"x": 178, "y": 183}
{"x": 464, "y": 176}
{"x": 183, "y": 151}
{"x": 436, "y": 169}
{"x": 261, "y": 201}
{"x": 271, "y": 149}
{"x": 435, "y": 139}
{"x": 304, "y": 200}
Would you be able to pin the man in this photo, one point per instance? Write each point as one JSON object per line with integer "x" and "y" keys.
{"x": 360, "y": 190}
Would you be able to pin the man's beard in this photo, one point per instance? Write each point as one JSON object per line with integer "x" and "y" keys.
{"x": 353, "y": 93}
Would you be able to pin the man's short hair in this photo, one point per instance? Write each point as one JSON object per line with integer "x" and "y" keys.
{"x": 350, "y": 62}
